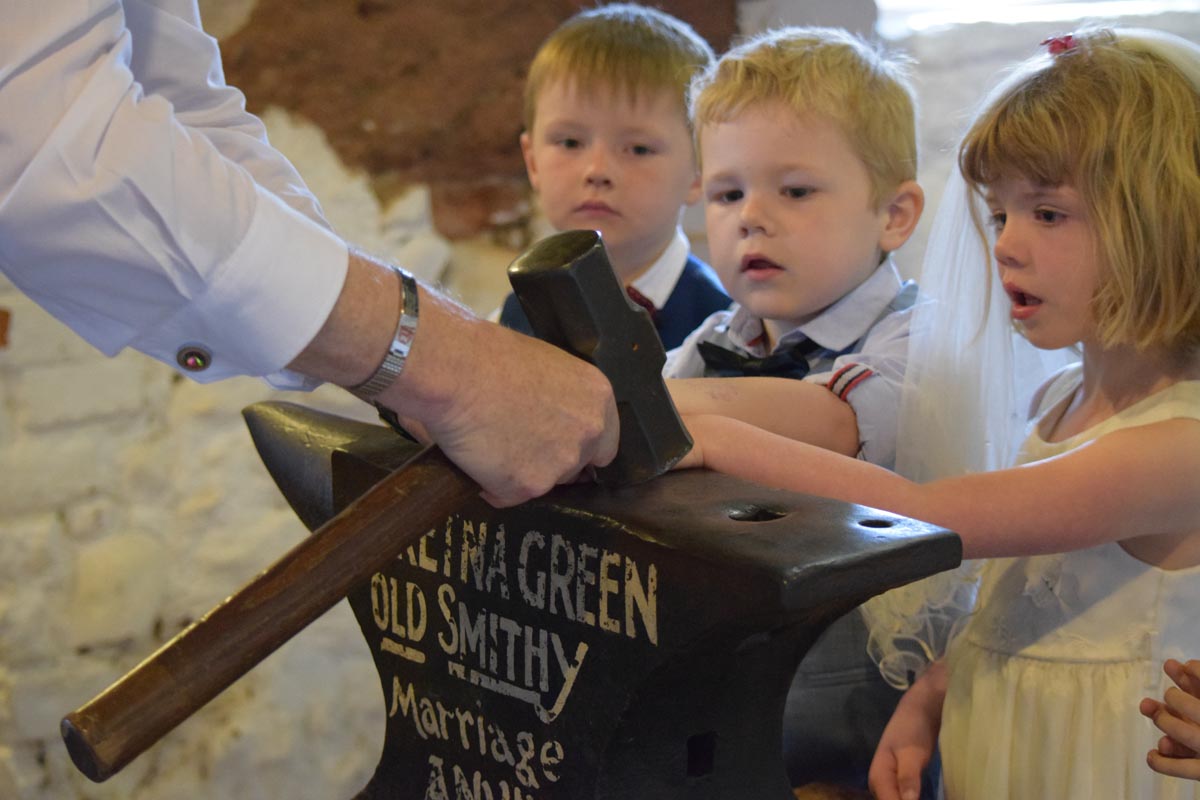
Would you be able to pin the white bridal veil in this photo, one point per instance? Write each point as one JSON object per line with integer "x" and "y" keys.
{"x": 968, "y": 388}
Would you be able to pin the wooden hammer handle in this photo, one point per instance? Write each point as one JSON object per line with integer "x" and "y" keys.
{"x": 209, "y": 655}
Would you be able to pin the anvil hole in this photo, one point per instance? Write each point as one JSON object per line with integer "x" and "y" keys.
{"x": 702, "y": 754}
{"x": 876, "y": 523}
{"x": 753, "y": 513}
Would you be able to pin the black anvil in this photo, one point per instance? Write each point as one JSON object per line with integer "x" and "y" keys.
{"x": 596, "y": 643}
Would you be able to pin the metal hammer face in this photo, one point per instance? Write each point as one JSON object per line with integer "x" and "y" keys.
{"x": 568, "y": 290}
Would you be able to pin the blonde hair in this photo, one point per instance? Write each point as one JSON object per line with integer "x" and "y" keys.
{"x": 830, "y": 73}
{"x": 1121, "y": 125}
{"x": 620, "y": 47}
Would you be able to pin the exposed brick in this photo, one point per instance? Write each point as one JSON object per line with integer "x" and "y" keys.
{"x": 462, "y": 209}
{"x": 416, "y": 92}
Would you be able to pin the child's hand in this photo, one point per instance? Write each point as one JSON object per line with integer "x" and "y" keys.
{"x": 701, "y": 427}
{"x": 909, "y": 739}
{"x": 1178, "y": 716}
{"x": 814, "y": 414}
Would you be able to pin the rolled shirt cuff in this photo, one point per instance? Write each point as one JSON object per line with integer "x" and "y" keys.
{"x": 265, "y": 305}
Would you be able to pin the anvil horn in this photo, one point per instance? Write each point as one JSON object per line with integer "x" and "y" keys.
{"x": 296, "y": 444}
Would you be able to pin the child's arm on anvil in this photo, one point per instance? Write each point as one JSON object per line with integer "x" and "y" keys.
{"x": 1125, "y": 485}
{"x": 800, "y": 410}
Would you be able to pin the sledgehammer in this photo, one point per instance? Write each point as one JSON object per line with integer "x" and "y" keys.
{"x": 573, "y": 300}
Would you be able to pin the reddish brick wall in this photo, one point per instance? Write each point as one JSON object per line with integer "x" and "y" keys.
{"x": 418, "y": 92}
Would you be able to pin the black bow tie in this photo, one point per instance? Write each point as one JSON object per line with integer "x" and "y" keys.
{"x": 791, "y": 362}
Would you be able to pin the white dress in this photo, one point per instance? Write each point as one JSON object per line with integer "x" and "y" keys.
{"x": 1046, "y": 678}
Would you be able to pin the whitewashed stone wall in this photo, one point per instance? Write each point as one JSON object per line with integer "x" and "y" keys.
{"x": 131, "y": 501}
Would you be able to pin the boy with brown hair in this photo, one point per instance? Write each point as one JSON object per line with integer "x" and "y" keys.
{"x": 608, "y": 147}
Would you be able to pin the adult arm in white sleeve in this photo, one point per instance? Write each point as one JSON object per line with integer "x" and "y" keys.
{"x": 134, "y": 228}
{"x": 173, "y": 57}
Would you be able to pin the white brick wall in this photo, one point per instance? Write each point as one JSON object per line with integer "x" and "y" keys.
{"x": 131, "y": 501}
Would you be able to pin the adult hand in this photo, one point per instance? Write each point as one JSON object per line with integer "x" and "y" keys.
{"x": 515, "y": 413}
{"x": 1178, "y": 716}
{"x": 909, "y": 739}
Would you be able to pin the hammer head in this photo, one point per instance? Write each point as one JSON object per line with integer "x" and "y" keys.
{"x": 573, "y": 299}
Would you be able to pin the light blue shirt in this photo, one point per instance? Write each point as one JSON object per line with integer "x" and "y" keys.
{"x": 863, "y": 355}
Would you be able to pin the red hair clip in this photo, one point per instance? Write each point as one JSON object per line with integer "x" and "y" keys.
{"x": 1059, "y": 44}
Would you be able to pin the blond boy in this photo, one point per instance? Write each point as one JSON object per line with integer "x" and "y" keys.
{"x": 608, "y": 147}
{"x": 807, "y": 143}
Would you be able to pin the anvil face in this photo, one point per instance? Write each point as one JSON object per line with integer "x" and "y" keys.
{"x": 596, "y": 643}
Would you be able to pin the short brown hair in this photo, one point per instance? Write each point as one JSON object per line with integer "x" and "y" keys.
{"x": 623, "y": 47}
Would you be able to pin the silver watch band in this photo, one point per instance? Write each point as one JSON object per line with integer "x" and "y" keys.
{"x": 397, "y": 354}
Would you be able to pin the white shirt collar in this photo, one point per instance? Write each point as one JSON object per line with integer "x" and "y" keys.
{"x": 835, "y": 328}
{"x": 849, "y": 319}
{"x": 657, "y": 283}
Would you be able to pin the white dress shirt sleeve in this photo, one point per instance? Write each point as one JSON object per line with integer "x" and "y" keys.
{"x": 182, "y": 64}
{"x": 140, "y": 203}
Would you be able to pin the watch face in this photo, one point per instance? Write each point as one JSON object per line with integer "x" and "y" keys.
{"x": 397, "y": 354}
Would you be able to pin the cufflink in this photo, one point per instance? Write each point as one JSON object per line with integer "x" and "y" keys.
{"x": 193, "y": 358}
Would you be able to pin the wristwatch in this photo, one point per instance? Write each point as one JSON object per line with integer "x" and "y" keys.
{"x": 406, "y": 330}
